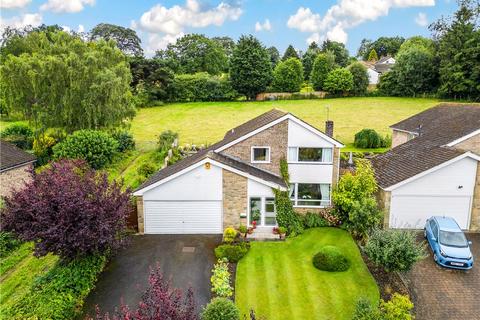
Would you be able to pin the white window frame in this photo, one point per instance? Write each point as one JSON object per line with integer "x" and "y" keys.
{"x": 323, "y": 203}
{"x": 263, "y": 213}
{"x": 309, "y": 162}
{"x": 259, "y": 161}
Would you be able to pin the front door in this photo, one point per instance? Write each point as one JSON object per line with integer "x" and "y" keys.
{"x": 262, "y": 211}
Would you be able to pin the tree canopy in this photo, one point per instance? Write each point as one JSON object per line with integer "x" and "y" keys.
{"x": 338, "y": 81}
{"x": 324, "y": 63}
{"x": 61, "y": 81}
{"x": 288, "y": 76}
{"x": 309, "y": 58}
{"x": 290, "y": 52}
{"x": 274, "y": 55}
{"x": 384, "y": 46}
{"x": 125, "y": 38}
{"x": 339, "y": 51}
{"x": 373, "y": 56}
{"x": 250, "y": 68}
{"x": 360, "y": 78}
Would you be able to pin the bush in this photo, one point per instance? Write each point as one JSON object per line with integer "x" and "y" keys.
{"x": 232, "y": 252}
{"x": 124, "y": 140}
{"x": 330, "y": 258}
{"x": 398, "y": 308}
{"x": 201, "y": 87}
{"x": 165, "y": 140}
{"x": 394, "y": 250}
{"x": 146, "y": 169}
{"x": 338, "y": 81}
{"x": 314, "y": 220}
{"x": 364, "y": 217}
{"x": 43, "y": 148}
{"x": 60, "y": 293}
{"x": 288, "y": 76}
{"x": 243, "y": 229}
{"x": 68, "y": 196}
{"x": 220, "y": 309}
{"x": 8, "y": 243}
{"x": 221, "y": 279}
{"x": 369, "y": 138}
{"x": 95, "y": 147}
{"x": 360, "y": 78}
{"x": 18, "y": 134}
{"x": 364, "y": 310}
{"x": 229, "y": 234}
{"x": 323, "y": 64}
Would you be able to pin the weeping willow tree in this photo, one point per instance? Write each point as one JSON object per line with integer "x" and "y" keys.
{"x": 61, "y": 81}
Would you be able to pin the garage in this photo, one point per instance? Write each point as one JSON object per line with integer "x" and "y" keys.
{"x": 411, "y": 212}
{"x": 183, "y": 217}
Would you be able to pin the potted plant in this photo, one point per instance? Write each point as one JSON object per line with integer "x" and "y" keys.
{"x": 250, "y": 230}
{"x": 281, "y": 232}
{"x": 275, "y": 230}
{"x": 255, "y": 217}
{"x": 243, "y": 230}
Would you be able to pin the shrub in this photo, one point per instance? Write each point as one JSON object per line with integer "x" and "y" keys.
{"x": 330, "y": 258}
{"x": 43, "y": 148}
{"x": 398, "y": 308}
{"x": 282, "y": 230}
{"x": 323, "y": 64}
{"x": 288, "y": 76}
{"x": 95, "y": 147}
{"x": 221, "y": 279}
{"x": 146, "y": 169}
{"x": 338, "y": 81}
{"x": 243, "y": 230}
{"x": 124, "y": 140}
{"x": 220, "y": 309}
{"x": 8, "y": 243}
{"x": 364, "y": 217}
{"x": 369, "y": 138}
{"x": 394, "y": 250}
{"x": 233, "y": 253}
{"x": 360, "y": 78}
{"x": 364, "y": 310}
{"x": 159, "y": 301}
{"x": 166, "y": 139}
{"x": 68, "y": 196}
{"x": 18, "y": 134}
{"x": 229, "y": 235}
{"x": 314, "y": 220}
{"x": 201, "y": 87}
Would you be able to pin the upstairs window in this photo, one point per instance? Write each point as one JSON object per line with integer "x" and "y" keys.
{"x": 260, "y": 154}
{"x": 304, "y": 154}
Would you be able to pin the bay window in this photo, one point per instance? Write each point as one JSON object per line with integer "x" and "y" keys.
{"x": 310, "y": 194}
{"x": 307, "y": 154}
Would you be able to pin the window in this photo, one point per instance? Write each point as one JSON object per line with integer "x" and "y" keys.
{"x": 310, "y": 194}
{"x": 261, "y": 154}
{"x": 303, "y": 154}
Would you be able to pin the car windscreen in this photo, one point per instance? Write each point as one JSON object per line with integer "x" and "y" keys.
{"x": 453, "y": 239}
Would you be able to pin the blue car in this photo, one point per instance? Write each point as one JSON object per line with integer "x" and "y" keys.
{"x": 448, "y": 243}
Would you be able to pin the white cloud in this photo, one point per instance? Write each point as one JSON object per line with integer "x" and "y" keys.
{"x": 165, "y": 25}
{"x": 80, "y": 28}
{"x": 421, "y": 19}
{"x": 66, "y": 6}
{"x": 344, "y": 15}
{"x": 265, "y": 26}
{"x": 28, "y": 19}
{"x": 13, "y": 4}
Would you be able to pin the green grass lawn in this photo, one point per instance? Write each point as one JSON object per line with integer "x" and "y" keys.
{"x": 279, "y": 281}
{"x": 207, "y": 122}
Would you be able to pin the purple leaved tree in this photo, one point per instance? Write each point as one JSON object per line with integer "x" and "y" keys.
{"x": 70, "y": 210}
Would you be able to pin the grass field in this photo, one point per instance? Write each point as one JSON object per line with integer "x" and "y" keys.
{"x": 279, "y": 281}
{"x": 207, "y": 122}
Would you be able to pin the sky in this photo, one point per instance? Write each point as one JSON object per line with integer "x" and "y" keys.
{"x": 275, "y": 22}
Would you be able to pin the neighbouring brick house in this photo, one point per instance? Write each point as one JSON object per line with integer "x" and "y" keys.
{"x": 432, "y": 169}
{"x": 230, "y": 183}
{"x": 16, "y": 167}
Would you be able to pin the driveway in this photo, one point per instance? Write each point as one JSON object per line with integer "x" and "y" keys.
{"x": 441, "y": 293}
{"x": 126, "y": 276}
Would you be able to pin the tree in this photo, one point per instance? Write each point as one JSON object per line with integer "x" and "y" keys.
{"x": 250, "y": 70}
{"x": 364, "y": 48}
{"x": 459, "y": 51}
{"x": 339, "y": 51}
{"x": 13, "y": 39}
{"x": 288, "y": 76}
{"x": 323, "y": 64}
{"x": 373, "y": 56}
{"x": 64, "y": 82}
{"x": 227, "y": 43}
{"x": 68, "y": 210}
{"x": 196, "y": 53}
{"x": 418, "y": 42}
{"x": 384, "y": 46}
{"x": 274, "y": 56}
{"x": 360, "y": 78}
{"x": 338, "y": 81}
{"x": 290, "y": 52}
{"x": 126, "y": 39}
{"x": 309, "y": 58}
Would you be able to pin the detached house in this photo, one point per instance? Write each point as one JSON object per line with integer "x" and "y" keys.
{"x": 230, "y": 183}
{"x": 433, "y": 168}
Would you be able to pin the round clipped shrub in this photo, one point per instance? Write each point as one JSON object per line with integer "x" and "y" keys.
{"x": 369, "y": 138}
{"x": 229, "y": 235}
{"x": 95, "y": 147}
{"x": 330, "y": 258}
{"x": 220, "y": 309}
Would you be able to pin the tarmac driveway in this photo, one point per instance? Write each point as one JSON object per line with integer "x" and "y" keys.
{"x": 441, "y": 293}
{"x": 126, "y": 276}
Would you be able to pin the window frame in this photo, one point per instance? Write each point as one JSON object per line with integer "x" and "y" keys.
{"x": 252, "y": 154}
{"x": 297, "y": 153}
{"x": 295, "y": 199}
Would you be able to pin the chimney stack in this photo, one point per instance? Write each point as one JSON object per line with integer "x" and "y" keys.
{"x": 329, "y": 128}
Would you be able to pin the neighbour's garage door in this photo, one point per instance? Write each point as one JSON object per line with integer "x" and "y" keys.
{"x": 411, "y": 212}
{"x": 183, "y": 217}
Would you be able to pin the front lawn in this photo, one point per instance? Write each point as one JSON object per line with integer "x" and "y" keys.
{"x": 279, "y": 281}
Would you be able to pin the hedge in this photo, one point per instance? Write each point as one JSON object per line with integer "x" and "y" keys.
{"x": 201, "y": 87}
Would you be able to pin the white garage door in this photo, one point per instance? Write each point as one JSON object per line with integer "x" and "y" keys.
{"x": 411, "y": 212}
{"x": 183, "y": 217}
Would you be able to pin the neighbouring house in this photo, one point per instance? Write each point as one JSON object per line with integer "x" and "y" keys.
{"x": 376, "y": 69}
{"x": 230, "y": 183}
{"x": 432, "y": 169}
{"x": 16, "y": 167}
